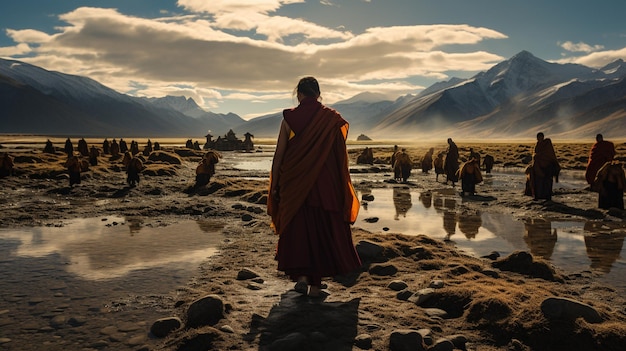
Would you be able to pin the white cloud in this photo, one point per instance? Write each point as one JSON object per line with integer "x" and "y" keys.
{"x": 28, "y": 35}
{"x": 195, "y": 51}
{"x": 229, "y": 6}
{"x": 580, "y": 47}
{"x": 597, "y": 59}
{"x": 17, "y": 50}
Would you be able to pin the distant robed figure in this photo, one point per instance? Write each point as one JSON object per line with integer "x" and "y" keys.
{"x": 602, "y": 151}
{"x": 451, "y": 162}
{"x": 610, "y": 183}
{"x": 544, "y": 168}
{"x": 311, "y": 200}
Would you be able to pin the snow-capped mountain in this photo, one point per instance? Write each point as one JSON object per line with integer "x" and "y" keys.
{"x": 516, "y": 98}
{"x": 34, "y": 100}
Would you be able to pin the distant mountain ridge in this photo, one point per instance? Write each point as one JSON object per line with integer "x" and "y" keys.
{"x": 37, "y": 101}
{"x": 516, "y": 98}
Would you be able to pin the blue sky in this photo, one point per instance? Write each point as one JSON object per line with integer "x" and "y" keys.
{"x": 246, "y": 56}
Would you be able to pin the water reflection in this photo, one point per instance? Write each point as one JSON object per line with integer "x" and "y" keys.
{"x": 401, "y": 201}
{"x": 449, "y": 224}
{"x": 540, "y": 237}
{"x": 604, "y": 245}
{"x": 469, "y": 223}
{"x": 101, "y": 248}
{"x": 572, "y": 245}
{"x": 134, "y": 224}
{"x": 426, "y": 198}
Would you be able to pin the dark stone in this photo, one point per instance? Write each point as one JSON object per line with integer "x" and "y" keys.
{"x": 164, "y": 326}
{"x": 207, "y": 310}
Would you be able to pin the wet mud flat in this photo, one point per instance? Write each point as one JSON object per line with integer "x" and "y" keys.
{"x": 491, "y": 311}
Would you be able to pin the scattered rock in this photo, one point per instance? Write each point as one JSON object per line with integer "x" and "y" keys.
{"x": 383, "y": 269}
{"x": 207, "y": 310}
{"x": 555, "y": 308}
{"x": 371, "y": 219}
{"x": 406, "y": 340}
{"x": 164, "y": 326}
{"x": 246, "y": 274}
{"x": 363, "y": 341}
{"x": 397, "y": 285}
{"x": 367, "y": 197}
{"x": 442, "y": 345}
{"x": 369, "y": 250}
{"x": 523, "y": 262}
{"x": 422, "y": 296}
{"x": 436, "y": 284}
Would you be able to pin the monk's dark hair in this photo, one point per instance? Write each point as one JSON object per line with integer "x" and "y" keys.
{"x": 599, "y": 137}
{"x": 308, "y": 86}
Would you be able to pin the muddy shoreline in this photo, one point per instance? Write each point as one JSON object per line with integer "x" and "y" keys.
{"x": 39, "y": 195}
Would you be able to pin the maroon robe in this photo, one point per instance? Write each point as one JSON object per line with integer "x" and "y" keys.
{"x": 601, "y": 153}
{"x": 311, "y": 200}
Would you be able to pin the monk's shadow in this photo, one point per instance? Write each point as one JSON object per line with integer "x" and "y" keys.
{"x": 122, "y": 192}
{"x": 307, "y": 324}
{"x": 558, "y": 207}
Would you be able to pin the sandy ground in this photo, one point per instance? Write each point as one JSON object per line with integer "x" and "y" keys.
{"x": 494, "y": 308}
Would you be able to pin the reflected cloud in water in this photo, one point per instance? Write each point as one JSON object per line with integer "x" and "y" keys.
{"x": 572, "y": 245}
{"x": 102, "y": 248}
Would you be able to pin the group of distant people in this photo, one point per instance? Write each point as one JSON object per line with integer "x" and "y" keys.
{"x": 75, "y": 164}
{"x": 604, "y": 174}
{"x": 446, "y": 163}
{"x": 133, "y": 164}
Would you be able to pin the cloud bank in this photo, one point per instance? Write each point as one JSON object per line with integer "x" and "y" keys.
{"x": 243, "y": 49}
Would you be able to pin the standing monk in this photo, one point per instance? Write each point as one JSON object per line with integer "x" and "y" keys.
{"x": 427, "y": 161}
{"x": 488, "y": 162}
{"x": 133, "y": 168}
{"x": 73, "y": 168}
{"x": 6, "y": 165}
{"x": 115, "y": 148}
{"x": 93, "y": 155}
{"x": 610, "y": 183}
{"x": 601, "y": 152}
{"x": 106, "y": 146}
{"x": 69, "y": 148}
{"x": 311, "y": 199}
{"x": 451, "y": 163}
{"x": 545, "y": 166}
{"x": 438, "y": 165}
{"x": 402, "y": 167}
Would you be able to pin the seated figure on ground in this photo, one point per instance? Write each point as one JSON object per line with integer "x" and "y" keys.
{"x": 470, "y": 175}
{"x": 402, "y": 167}
{"x": 73, "y": 165}
{"x": 206, "y": 168}
{"x": 6, "y": 165}
{"x": 366, "y": 157}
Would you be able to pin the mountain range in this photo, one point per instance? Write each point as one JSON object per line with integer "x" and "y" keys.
{"x": 516, "y": 98}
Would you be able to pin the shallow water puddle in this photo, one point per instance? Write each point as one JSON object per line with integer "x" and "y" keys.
{"x": 121, "y": 252}
{"x": 571, "y": 245}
